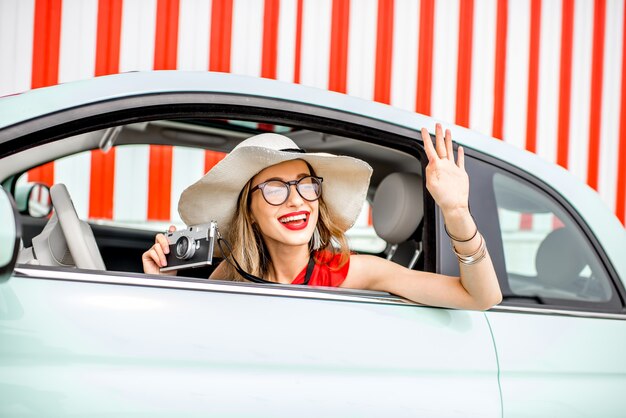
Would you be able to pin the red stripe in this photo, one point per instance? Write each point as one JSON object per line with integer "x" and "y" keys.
{"x": 270, "y": 38}
{"x": 384, "y": 48}
{"x": 498, "y": 87}
{"x": 464, "y": 69}
{"x": 533, "y": 76}
{"x": 165, "y": 55}
{"x": 102, "y": 172}
{"x": 45, "y": 66}
{"x": 221, "y": 32}
{"x": 159, "y": 183}
{"x": 219, "y": 59}
{"x": 296, "y": 68}
{"x": 620, "y": 204}
{"x": 101, "y": 184}
{"x": 425, "y": 54}
{"x": 337, "y": 80}
{"x": 211, "y": 158}
{"x": 108, "y": 37}
{"x": 526, "y": 222}
{"x": 567, "y": 29}
{"x": 557, "y": 223}
{"x": 46, "y": 39}
{"x": 166, "y": 37}
{"x": 595, "y": 113}
{"x": 42, "y": 174}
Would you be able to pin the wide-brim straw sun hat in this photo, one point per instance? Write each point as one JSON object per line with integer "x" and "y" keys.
{"x": 214, "y": 196}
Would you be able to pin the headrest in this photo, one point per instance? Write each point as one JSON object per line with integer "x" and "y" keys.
{"x": 398, "y": 207}
{"x": 560, "y": 257}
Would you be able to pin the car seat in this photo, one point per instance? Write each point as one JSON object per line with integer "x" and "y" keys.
{"x": 397, "y": 212}
{"x": 51, "y": 247}
{"x": 560, "y": 260}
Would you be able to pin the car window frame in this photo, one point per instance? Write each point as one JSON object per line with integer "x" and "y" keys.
{"x": 185, "y": 105}
{"x": 492, "y": 233}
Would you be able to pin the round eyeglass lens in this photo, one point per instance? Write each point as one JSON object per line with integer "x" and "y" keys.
{"x": 309, "y": 188}
{"x": 275, "y": 192}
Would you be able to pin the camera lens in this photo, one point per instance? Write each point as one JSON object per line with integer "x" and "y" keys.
{"x": 184, "y": 248}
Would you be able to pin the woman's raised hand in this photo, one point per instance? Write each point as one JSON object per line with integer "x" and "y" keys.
{"x": 154, "y": 258}
{"x": 447, "y": 181}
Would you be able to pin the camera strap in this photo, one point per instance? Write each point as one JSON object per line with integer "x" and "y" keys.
{"x": 309, "y": 270}
{"x": 228, "y": 256}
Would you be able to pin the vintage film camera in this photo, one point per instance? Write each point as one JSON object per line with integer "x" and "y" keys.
{"x": 191, "y": 247}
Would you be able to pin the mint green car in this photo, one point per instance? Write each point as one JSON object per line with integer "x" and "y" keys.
{"x": 84, "y": 332}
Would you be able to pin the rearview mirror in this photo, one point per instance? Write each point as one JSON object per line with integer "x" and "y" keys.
{"x": 10, "y": 234}
{"x": 33, "y": 199}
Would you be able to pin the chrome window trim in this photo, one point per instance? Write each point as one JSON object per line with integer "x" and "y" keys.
{"x": 319, "y": 293}
{"x": 171, "y": 282}
{"x": 558, "y": 312}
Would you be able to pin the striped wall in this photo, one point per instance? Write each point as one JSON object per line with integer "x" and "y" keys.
{"x": 544, "y": 75}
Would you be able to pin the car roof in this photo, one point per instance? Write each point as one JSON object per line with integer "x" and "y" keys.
{"x": 44, "y": 101}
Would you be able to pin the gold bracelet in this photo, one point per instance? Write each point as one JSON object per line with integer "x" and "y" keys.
{"x": 473, "y": 258}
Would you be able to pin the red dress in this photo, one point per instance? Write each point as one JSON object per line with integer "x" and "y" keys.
{"x": 325, "y": 272}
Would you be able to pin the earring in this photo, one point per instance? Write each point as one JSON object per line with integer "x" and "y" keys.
{"x": 316, "y": 240}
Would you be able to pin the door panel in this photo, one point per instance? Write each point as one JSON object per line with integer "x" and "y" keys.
{"x": 75, "y": 347}
{"x": 560, "y": 366}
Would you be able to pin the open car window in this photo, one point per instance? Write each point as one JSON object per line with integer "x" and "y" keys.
{"x": 128, "y": 188}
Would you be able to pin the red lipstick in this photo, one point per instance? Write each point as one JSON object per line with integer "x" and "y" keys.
{"x": 295, "y": 221}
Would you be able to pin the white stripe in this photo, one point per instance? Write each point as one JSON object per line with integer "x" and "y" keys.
{"x": 316, "y": 19}
{"x": 77, "y": 52}
{"x": 611, "y": 91}
{"x": 286, "y": 54}
{"x": 548, "y": 86}
{"x": 16, "y": 45}
{"x": 542, "y": 222}
{"x": 406, "y": 19}
{"x": 138, "y": 35}
{"x": 362, "y": 48}
{"x": 445, "y": 60}
{"x": 74, "y": 171}
{"x": 483, "y": 66}
{"x": 509, "y": 219}
{"x": 187, "y": 168}
{"x": 516, "y": 77}
{"x": 581, "y": 89}
{"x": 194, "y": 29}
{"x": 247, "y": 37}
{"x": 130, "y": 196}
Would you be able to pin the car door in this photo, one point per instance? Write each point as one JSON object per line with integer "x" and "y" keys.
{"x": 75, "y": 342}
{"x": 561, "y": 328}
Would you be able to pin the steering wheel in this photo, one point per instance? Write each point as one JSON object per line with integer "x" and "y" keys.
{"x": 77, "y": 233}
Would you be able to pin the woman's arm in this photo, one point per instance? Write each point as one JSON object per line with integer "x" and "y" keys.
{"x": 477, "y": 287}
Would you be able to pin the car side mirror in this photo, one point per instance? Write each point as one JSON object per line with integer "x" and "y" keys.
{"x": 33, "y": 199}
{"x": 10, "y": 235}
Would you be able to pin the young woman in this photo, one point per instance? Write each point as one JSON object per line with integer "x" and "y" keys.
{"x": 285, "y": 213}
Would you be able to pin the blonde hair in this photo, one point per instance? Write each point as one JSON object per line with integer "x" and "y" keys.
{"x": 249, "y": 249}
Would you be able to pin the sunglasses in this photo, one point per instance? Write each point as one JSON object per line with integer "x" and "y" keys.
{"x": 276, "y": 192}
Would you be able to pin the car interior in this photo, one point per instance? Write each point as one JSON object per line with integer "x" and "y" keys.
{"x": 61, "y": 239}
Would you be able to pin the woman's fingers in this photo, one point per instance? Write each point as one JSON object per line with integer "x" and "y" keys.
{"x": 160, "y": 255}
{"x": 448, "y": 141}
{"x": 428, "y": 145}
{"x": 440, "y": 145}
{"x": 163, "y": 243}
{"x": 461, "y": 158}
